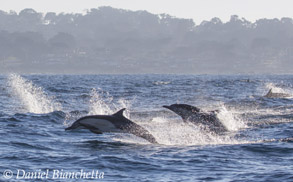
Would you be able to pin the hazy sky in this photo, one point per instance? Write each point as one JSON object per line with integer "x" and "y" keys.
{"x": 196, "y": 9}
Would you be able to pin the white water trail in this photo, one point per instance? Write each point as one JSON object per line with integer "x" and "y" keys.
{"x": 33, "y": 97}
{"x": 175, "y": 132}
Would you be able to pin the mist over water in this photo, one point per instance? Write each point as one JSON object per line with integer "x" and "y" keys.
{"x": 259, "y": 128}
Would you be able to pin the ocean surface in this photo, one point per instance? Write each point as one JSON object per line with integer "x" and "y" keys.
{"x": 35, "y": 110}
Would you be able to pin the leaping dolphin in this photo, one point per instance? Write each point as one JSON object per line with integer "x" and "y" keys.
{"x": 206, "y": 120}
{"x": 112, "y": 123}
{"x": 272, "y": 94}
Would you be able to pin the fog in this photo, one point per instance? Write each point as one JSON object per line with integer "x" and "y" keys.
{"x": 108, "y": 40}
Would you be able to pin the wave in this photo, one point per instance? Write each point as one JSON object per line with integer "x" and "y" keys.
{"x": 53, "y": 117}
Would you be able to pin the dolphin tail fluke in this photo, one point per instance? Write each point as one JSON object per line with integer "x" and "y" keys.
{"x": 143, "y": 133}
{"x": 147, "y": 136}
{"x": 73, "y": 126}
{"x": 69, "y": 128}
{"x": 96, "y": 131}
{"x": 150, "y": 138}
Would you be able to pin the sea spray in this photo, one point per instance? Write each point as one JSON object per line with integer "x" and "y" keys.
{"x": 230, "y": 120}
{"x": 277, "y": 89}
{"x": 173, "y": 131}
{"x": 102, "y": 103}
{"x": 169, "y": 131}
{"x": 98, "y": 104}
{"x": 166, "y": 130}
{"x": 33, "y": 97}
{"x": 274, "y": 88}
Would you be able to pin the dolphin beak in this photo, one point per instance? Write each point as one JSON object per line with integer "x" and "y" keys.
{"x": 168, "y": 107}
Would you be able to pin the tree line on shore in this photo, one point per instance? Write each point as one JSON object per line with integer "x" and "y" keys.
{"x": 109, "y": 40}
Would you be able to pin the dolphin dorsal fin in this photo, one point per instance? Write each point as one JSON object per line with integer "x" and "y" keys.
{"x": 119, "y": 113}
{"x": 270, "y": 91}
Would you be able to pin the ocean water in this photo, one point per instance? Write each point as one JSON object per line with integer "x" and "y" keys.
{"x": 35, "y": 109}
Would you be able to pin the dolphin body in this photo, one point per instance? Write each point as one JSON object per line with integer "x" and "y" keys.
{"x": 271, "y": 94}
{"x": 205, "y": 120}
{"x": 112, "y": 123}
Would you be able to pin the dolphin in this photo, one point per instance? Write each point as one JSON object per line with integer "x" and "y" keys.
{"x": 112, "y": 123}
{"x": 205, "y": 120}
{"x": 271, "y": 94}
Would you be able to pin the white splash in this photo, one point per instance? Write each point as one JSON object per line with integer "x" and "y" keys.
{"x": 274, "y": 88}
{"x": 122, "y": 103}
{"x": 97, "y": 105}
{"x": 230, "y": 120}
{"x": 176, "y": 132}
{"x": 34, "y": 99}
{"x": 161, "y": 82}
{"x": 102, "y": 103}
{"x": 173, "y": 131}
{"x": 167, "y": 131}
